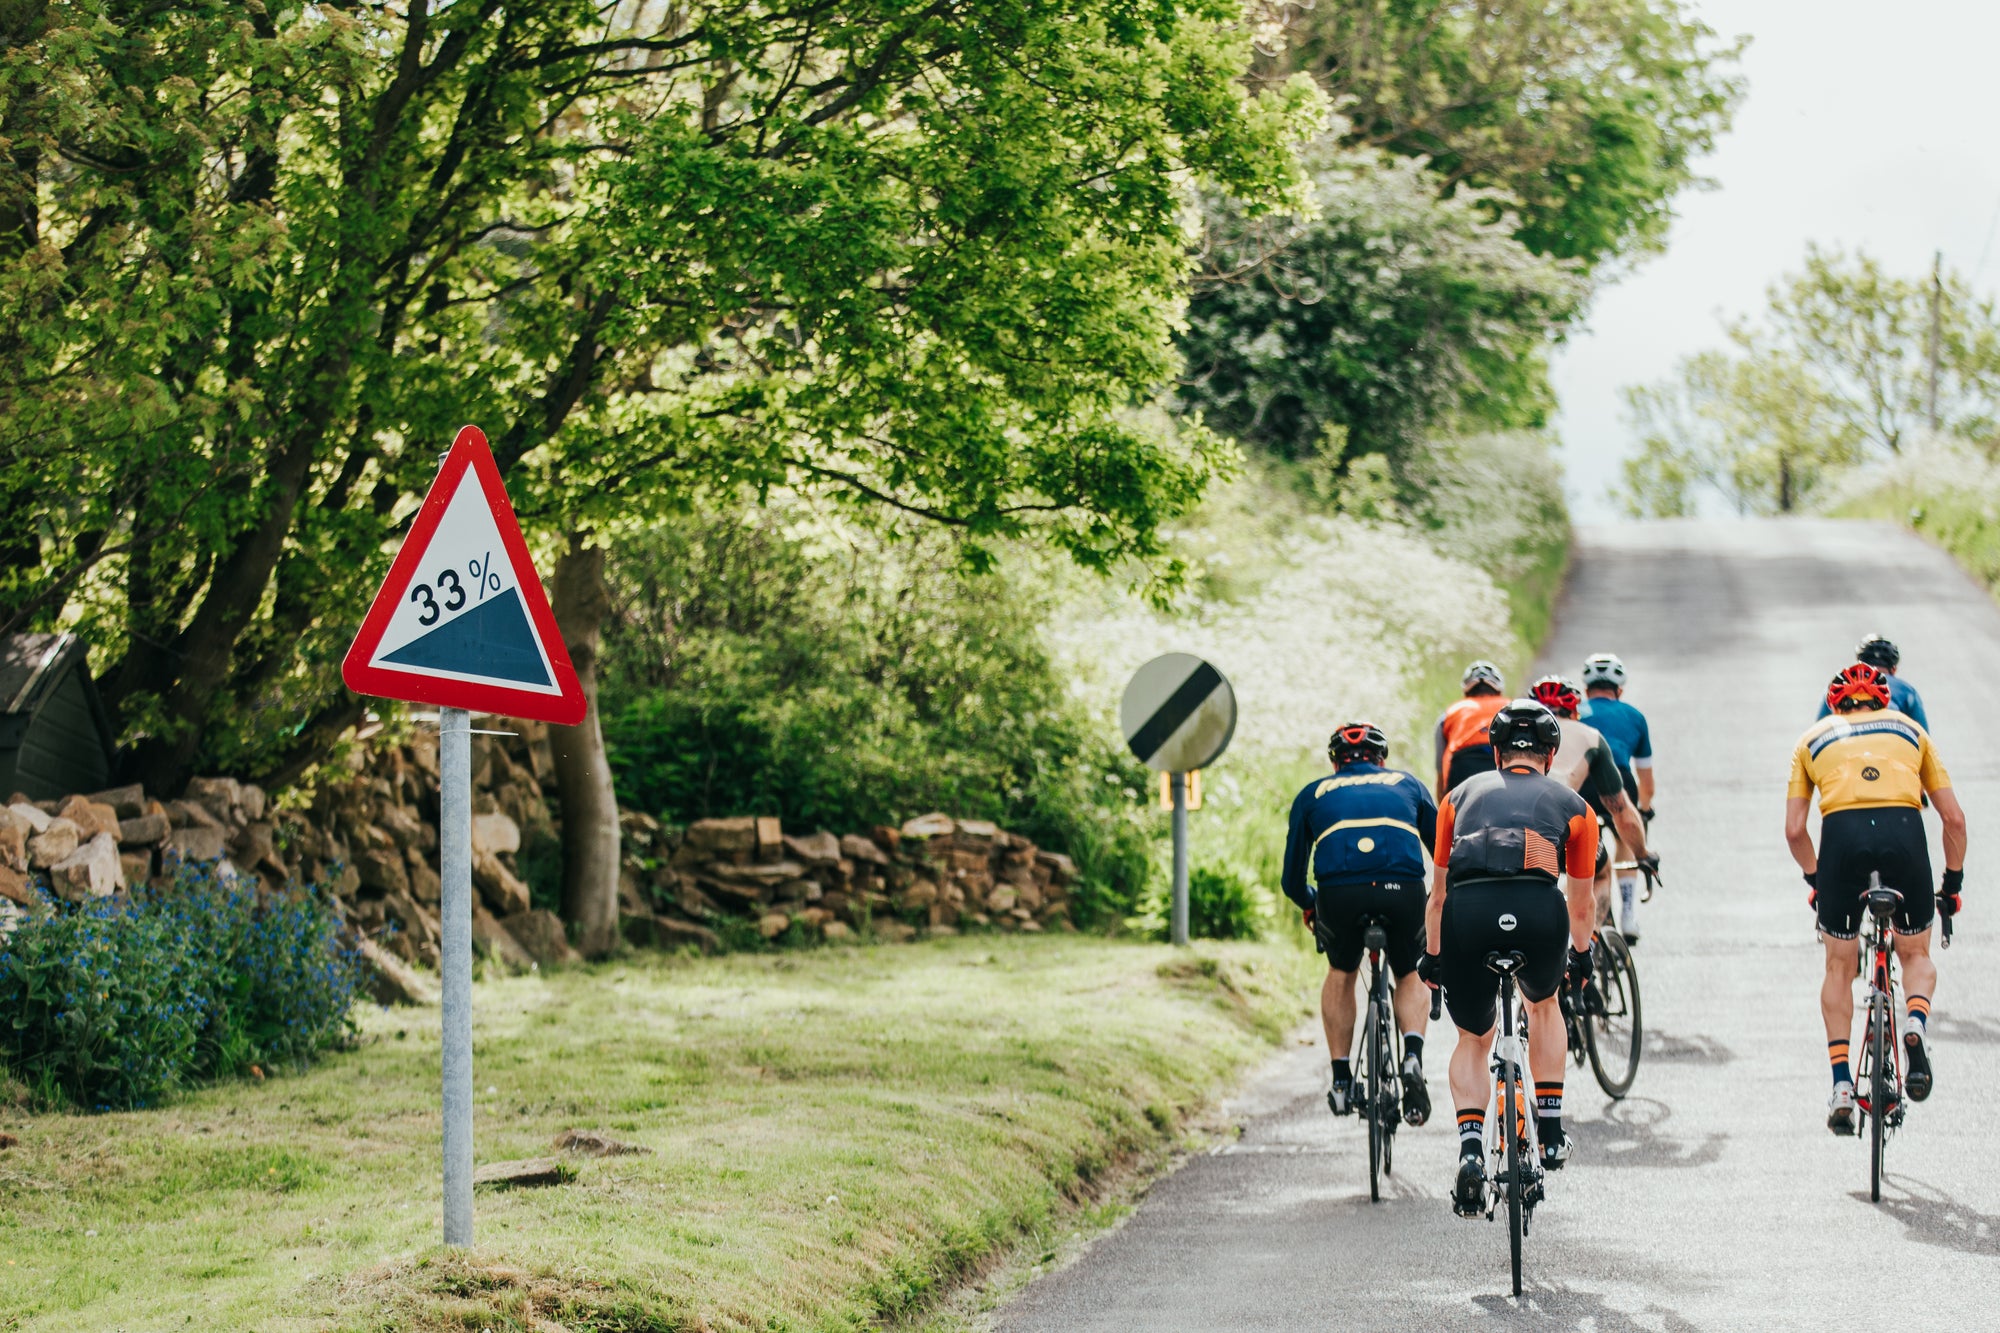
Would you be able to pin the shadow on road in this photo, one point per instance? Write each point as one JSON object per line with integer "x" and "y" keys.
{"x": 1554, "y": 1306}
{"x": 1935, "y": 1218}
{"x": 1632, "y": 1133}
{"x": 1952, "y": 1030}
{"x": 1686, "y": 1050}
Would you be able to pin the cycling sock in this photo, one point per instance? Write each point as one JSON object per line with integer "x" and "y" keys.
{"x": 1836, "y": 1051}
{"x": 1549, "y": 1109}
{"x": 1413, "y": 1045}
{"x": 1920, "y": 1013}
{"x": 1472, "y": 1132}
{"x": 1343, "y": 1071}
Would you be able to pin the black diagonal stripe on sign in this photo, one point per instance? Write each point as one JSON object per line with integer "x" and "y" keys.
{"x": 1180, "y": 705}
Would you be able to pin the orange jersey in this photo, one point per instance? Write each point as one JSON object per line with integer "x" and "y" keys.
{"x": 1465, "y": 723}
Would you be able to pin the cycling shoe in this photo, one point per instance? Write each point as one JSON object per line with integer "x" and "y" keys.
{"x": 1340, "y": 1097}
{"x": 1840, "y": 1109}
{"x": 1555, "y": 1153}
{"x": 1416, "y": 1097}
{"x": 1917, "y": 1055}
{"x": 1468, "y": 1194}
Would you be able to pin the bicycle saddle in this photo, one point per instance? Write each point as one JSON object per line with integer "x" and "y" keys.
{"x": 1883, "y": 902}
{"x": 1374, "y": 934}
{"x": 1504, "y": 963}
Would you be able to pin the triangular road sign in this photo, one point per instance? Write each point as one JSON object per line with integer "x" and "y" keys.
{"x": 461, "y": 620}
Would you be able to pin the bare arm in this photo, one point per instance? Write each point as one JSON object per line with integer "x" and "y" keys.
{"x": 1953, "y": 816}
{"x": 1580, "y": 891}
{"x": 1631, "y": 828}
{"x": 1801, "y": 842}
{"x": 1434, "y": 911}
{"x": 1645, "y": 777}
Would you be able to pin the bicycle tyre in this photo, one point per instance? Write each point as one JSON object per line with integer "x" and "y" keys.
{"x": 1510, "y": 1113}
{"x": 1370, "y": 1109}
{"x": 1615, "y": 1062}
{"x": 1389, "y": 1102}
{"x": 1878, "y": 1092}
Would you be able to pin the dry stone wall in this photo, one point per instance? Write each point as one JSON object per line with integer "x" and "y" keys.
{"x": 369, "y": 832}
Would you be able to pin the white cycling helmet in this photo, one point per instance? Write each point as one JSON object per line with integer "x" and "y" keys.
{"x": 1603, "y": 669}
{"x": 1484, "y": 672}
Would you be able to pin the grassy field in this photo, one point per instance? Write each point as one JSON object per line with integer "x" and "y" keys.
{"x": 837, "y": 1135}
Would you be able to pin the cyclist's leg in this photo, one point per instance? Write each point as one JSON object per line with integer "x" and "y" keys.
{"x": 1402, "y": 908}
{"x": 1907, "y": 869}
{"x": 1471, "y": 991}
{"x": 1336, "y": 921}
{"x": 1544, "y": 932}
{"x": 1628, "y": 880}
{"x": 1336, "y": 1013}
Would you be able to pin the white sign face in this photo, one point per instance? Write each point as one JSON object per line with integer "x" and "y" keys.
{"x": 463, "y": 617}
{"x": 1178, "y": 713}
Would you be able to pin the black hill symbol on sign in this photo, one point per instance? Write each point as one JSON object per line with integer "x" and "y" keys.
{"x": 493, "y": 640}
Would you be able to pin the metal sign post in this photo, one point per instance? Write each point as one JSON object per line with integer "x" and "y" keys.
{"x": 462, "y": 622}
{"x": 1178, "y": 715}
{"x": 455, "y": 961}
{"x": 1180, "y": 908}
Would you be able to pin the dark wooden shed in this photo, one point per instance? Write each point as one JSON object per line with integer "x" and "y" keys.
{"x": 55, "y": 737}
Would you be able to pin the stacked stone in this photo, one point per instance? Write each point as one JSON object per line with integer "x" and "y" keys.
{"x": 934, "y": 875}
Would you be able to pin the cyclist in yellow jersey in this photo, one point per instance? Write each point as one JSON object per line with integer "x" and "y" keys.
{"x": 1872, "y": 767}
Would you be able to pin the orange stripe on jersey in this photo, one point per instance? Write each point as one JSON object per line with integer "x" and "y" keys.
{"x": 1538, "y": 853}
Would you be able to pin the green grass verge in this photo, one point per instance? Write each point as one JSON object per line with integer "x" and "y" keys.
{"x": 837, "y": 1137}
{"x": 1964, "y": 523}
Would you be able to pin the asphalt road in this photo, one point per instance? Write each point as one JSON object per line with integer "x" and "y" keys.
{"x": 1712, "y": 1197}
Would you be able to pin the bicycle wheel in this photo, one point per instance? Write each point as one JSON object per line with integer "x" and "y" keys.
{"x": 1615, "y": 1037}
{"x": 1371, "y": 1103}
{"x": 1388, "y": 1099}
{"x": 1511, "y": 1113}
{"x": 1879, "y": 1091}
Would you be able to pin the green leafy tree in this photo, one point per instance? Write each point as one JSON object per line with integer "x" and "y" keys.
{"x": 1847, "y": 360}
{"x": 1588, "y": 114}
{"x": 1348, "y": 331}
{"x": 258, "y": 260}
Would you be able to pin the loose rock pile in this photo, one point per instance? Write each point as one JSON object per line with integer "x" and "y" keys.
{"x": 369, "y": 833}
{"x": 933, "y": 875}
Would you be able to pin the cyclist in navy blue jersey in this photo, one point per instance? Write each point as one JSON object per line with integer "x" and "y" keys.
{"x": 1884, "y": 656}
{"x": 1625, "y": 730}
{"x": 1355, "y": 850}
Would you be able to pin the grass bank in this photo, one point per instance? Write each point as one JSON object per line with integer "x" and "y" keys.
{"x": 836, "y": 1136}
{"x": 1943, "y": 491}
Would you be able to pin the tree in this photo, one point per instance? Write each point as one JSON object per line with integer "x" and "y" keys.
{"x": 1588, "y": 114}
{"x": 1351, "y": 330}
{"x": 257, "y": 261}
{"x": 1847, "y": 360}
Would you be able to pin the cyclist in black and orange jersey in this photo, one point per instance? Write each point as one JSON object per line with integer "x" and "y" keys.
{"x": 1462, "y": 745}
{"x": 1504, "y": 840}
{"x": 1872, "y": 767}
{"x": 1588, "y": 766}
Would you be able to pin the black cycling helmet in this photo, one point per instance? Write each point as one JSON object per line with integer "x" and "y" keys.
{"x": 1877, "y": 651}
{"x": 1358, "y": 743}
{"x": 1524, "y": 727}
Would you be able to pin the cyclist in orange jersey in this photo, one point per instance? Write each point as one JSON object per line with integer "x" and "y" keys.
{"x": 1463, "y": 747}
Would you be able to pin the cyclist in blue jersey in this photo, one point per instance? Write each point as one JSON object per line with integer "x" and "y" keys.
{"x": 1883, "y": 655}
{"x": 1355, "y": 850}
{"x": 1624, "y": 729}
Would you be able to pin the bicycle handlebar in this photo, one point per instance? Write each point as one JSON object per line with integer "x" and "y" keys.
{"x": 1437, "y": 1004}
{"x": 1944, "y": 941}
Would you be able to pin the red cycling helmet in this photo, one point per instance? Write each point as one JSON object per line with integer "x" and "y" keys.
{"x": 1858, "y": 686}
{"x": 1557, "y": 695}
{"x": 1358, "y": 742}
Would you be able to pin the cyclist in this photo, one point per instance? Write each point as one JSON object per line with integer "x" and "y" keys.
{"x": 1585, "y": 765}
{"x": 1871, "y": 766}
{"x": 1631, "y": 740}
{"x": 1885, "y": 657}
{"x": 1504, "y": 839}
{"x": 1355, "y": 850}
{"x": 1462, "y": 745}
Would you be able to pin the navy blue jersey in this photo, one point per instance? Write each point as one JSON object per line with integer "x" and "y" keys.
{"x": 1903, "y": 697}
{"x": 1623, "y": 728}
{"x": 1362, "y": 824}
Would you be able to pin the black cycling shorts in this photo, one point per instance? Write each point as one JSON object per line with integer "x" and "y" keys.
{"x": 1889, "y": 840}
{"x": 1465, "y": 763}
{"x": 1339, "y": 911}
{"x": 1500, "y": 916}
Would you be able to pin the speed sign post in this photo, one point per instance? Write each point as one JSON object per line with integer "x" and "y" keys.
{"x": 461, "y": 622}
{"x": 1178, "y": 715}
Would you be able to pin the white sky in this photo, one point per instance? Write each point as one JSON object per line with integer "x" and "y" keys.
{"x": 1867, "y": 124}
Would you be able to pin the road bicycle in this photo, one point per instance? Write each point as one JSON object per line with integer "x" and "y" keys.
{"x": 1381, "y": 1060}
{"x": 1607, "y": 1022}
{"x": 1515, "y": 1180}
{"x": 1878, "y": 1096}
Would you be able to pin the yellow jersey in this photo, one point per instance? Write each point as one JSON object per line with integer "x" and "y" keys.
{"x": 1865, "y": 759}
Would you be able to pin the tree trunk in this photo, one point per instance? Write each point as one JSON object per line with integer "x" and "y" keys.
{"x": 583, "y": 773}
{"x": 1784, "y": 483}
